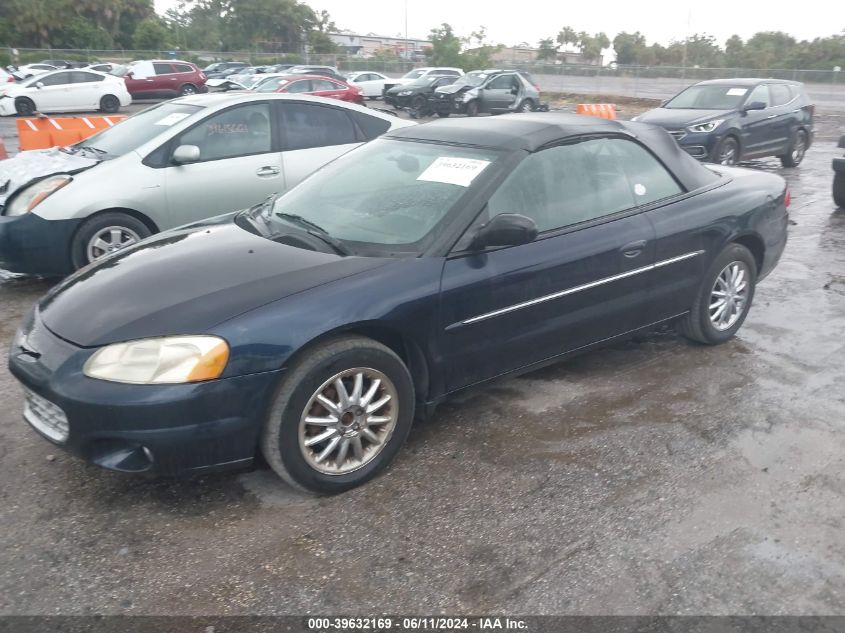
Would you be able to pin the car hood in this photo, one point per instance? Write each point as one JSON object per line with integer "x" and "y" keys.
{"x": 452, "y": 89}
{"x": 402, "y": 87}
{"x": 674, "y": 118}
{"x": 186, "y": 281}
{"x": 27, "y": 167}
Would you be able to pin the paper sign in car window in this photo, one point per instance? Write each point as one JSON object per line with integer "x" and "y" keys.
{"x": 736, "y": 92}
{"x": 172, "y": 118}
{"x": 454, "y": 171}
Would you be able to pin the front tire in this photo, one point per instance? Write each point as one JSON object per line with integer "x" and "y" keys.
{"x": 796, "y": 150}
{"x": 340, "y": 415}
{"x": 24, "y": 106}
{"x": 724, "y": 298}
{"x": 105, "y": 234}
{"x": 109, "y": 104}
{"x": 727, "y": 152}
{"x": 472, "y": 108}
{"x": 443, "y": 115}
{"x": 839, "y": 190}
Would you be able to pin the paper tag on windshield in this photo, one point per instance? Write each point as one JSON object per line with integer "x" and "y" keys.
{"x": 454, "y": 171}
{"x": 170, "y": 119}
{"x": 736, "y": 92}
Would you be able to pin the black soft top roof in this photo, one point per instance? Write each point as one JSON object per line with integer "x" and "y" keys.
{"x": 530, "y": 132}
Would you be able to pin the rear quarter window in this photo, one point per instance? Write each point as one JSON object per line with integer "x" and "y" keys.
{"x": 371, "y": 126}
{"x": 183, "y": 68}
{"x": 162, "y": 69}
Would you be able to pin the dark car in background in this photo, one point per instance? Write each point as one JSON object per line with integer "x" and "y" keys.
{"x": 312, "y": 328}
{"x": 163, "y": 78}
{"x": 218, "y": 70}
{"x": 488, "y": 91}
{"x": 325, "y": 71}
{"x": 415, "y": 95}
{"x": 839, "y": 177}
{"x": 726, "y": 121}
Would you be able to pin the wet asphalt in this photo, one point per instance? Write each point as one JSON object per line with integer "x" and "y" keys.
{"x": 654, "y": 476}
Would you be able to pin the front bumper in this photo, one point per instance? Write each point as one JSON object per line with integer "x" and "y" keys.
{"x": 699, "y": 145}
{"x": 153, "y": 429}
{"x": 7, "y": 106}
{"x": 31, "y": 245}
{"x": 447, "y": 103}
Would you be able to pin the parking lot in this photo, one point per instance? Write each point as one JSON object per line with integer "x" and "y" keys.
{"x": 652, "y": 477}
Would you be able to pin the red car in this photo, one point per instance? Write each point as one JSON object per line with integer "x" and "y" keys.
{"x": 312, "y": 85}
{"x": 163, "y": 78}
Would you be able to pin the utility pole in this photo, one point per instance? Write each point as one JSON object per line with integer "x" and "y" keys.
{"x": 407, "y": 54}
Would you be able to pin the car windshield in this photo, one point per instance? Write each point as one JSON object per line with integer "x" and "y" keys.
{"x": 472, "y": 79}
{"x": 709, "y": 97}
{"x": 212, "y": 67}
{"x": 138, "y": 129}
{"x": 414, "y": 74}
{"x": 388, "y": 196}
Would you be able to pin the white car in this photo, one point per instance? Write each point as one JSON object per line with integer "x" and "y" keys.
{"x": 371, "y": 83}
{"x": 422, "y": 73}
{"x": 64, "y": 91}
{"x": 31, "y": 70}
{"x": 179, "y": 161}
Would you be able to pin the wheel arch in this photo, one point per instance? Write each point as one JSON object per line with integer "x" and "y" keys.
{"x": 148, "y": 222}
{"x": 755, "y": 244}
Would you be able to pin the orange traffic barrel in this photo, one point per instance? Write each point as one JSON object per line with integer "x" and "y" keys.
{"x": 601, "y": 110}
{"x": 46, "y": 132}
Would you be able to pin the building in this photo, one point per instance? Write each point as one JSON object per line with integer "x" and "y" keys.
{"x": 368, "y": 45}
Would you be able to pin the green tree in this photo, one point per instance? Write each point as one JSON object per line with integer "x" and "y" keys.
{"x": 151, "y": 35}
{"x": 566, "y": 36}
{"x": 445, "y": 46}
{"x": 734, "y": 51}
{"x": 629, "y": 47}
{"x": 547, "y": 49}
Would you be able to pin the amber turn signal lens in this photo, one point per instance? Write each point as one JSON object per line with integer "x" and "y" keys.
{"x": 211, "y": 364}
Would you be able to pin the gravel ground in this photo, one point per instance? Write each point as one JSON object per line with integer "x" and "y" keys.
{"x": 651, "y": 477}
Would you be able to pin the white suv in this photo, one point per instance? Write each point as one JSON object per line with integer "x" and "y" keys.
{"x": 421, "y": 73}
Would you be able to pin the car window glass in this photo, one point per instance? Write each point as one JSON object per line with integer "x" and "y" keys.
{"x": 371, "y": 126}
{"x": 647, "y": 177}
{"x": 309, "y": 125}
{"x": 272, "y": 84}
{"x": 760, "y": 93}
{"x": 565, "y": 185}
{"x": 238, "y": 131}
{"x": 80, "y": 77}
{"x": 780, "y": 94}
{"x": 304, "y": 85}
{"x": 502, "y": 82}
{"x": 183, "y": 68}
{"x": 56, "y": 79}
{"x": 318, "y": 85}
{"x": 451, "y": 73}
{"x": 162, "y": 69}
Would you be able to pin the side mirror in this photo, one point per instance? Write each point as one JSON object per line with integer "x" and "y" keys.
{"x": 506, "y": 229}
{"x": 186, "y": 154}
{"x": 39, "y": 84}
{"x": 754, "y": 105}
{"x": 841, "y": 143}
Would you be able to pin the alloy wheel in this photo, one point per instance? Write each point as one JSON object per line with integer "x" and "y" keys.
{"x": 348, "y": 421}
{"x": 110, "y": 240}
{"x": 798, "y": 149}
{"x": 729, "y": 296}
{"x": 727, "y": 154}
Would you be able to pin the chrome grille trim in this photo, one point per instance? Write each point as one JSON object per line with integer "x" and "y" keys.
{"x": 46, "y": 417}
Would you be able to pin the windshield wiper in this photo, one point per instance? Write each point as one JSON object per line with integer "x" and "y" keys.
{"x": 316, "y": 230}
{"x": 96, "y": 150}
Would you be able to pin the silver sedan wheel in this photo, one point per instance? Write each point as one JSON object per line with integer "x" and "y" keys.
{"x": 109, "y": 240}
{"x": 348, "y": 421}
{"x": 729, "y": 296}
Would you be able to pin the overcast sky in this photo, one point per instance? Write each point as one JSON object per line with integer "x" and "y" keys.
{"x": 512, "y": 22}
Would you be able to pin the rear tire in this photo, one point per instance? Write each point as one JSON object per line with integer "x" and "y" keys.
{"x": 308, "y": 384}
{"x": 527, "y": 105}
{"x": 839, "y": 190}
{"x": 24, "y": 106}
{"x": 114, "y": 229}
{"x": 796, "y": 150}
{"x": 705, "y": 323}
{"x": 443, "y": 115}
{"x": 188, "y": 89}
{"x": 109, "y": 104}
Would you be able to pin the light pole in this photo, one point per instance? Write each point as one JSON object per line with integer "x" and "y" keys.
{"x": 407, "y": 55}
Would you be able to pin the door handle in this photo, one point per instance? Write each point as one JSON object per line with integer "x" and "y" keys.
{"x": 633, "y": 249}
{"x": 771, "y": 116}
{"x": 268, "y": 171}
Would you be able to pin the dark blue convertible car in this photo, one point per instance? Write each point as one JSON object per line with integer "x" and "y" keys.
{"x": 314, "y": 327}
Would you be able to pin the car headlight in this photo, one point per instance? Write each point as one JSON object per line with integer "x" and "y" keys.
{"x": 158, "y": 361}
{"x": 706, "y": 127}
{"x": 404, "y": 93}
{"x": 30, "y": 197}
{"x": 468, "y": 96}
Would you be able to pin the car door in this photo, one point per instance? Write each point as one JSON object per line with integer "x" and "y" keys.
{"x": 757, "y": 133}
{"x": 87, "y": 90}
{"x": 581, "y": 281}
{"x": 785, "y": 113}
{"x": 53, "y": 92}
{"x": 239, "y": 164}
{"x": 165, "y": 79}
{"x": 372, "y": 84}
{"x": 312, "y": 135}
{"x": 140, "y": 79}
{"x": 499, "y": 93}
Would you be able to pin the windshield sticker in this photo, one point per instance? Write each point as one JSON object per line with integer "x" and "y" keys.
{"x": 736, "y": 92}
{"x": 639, "y": 189}
{"x": 170, "y": 119}
{"x": 454, "y": 171}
